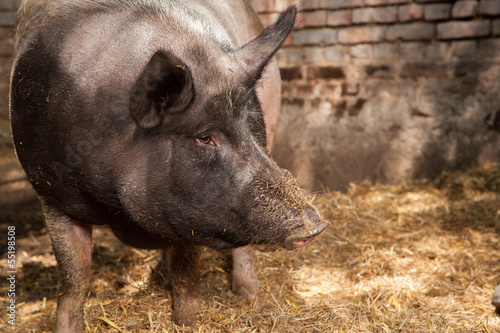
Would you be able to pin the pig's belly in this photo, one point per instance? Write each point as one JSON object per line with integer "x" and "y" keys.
{"x": 135, "y": 235}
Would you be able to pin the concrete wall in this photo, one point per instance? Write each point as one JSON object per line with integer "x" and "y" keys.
{"x": 385, "y": 90}
{"x": 388, "y": 90}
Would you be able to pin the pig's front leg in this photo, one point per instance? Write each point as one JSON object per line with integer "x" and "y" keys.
{"x": 185, "y": 279}
{"x": 72, "y": 245}
{"x": 245, "y": 283}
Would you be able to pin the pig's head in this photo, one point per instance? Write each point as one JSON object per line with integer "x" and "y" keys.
{"x": 210, "y": 179}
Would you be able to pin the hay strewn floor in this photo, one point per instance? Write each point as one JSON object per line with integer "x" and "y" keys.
{"x": 415, "y": 257}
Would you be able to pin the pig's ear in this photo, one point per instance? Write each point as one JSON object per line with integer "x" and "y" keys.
{"x": 257, "y": 53}
{"x": 165, "y": 86}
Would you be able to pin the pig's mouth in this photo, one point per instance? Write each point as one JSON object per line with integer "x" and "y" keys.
{"x": 297, "y": 241}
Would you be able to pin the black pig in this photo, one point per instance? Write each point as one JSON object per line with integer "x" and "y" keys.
{"x": 144, "y": 115}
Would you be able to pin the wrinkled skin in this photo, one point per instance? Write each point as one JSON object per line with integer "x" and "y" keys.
{"x": 148, "y": 119}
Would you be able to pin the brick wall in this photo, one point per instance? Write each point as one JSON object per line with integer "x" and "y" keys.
{"x": 387, "y": 90}
{"x": 379, "y": 89}
{"x": 7, "y": 10}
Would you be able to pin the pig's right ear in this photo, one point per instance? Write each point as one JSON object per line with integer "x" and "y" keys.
{"x": 256, "y": 54}
{"x": 165, "y": 86}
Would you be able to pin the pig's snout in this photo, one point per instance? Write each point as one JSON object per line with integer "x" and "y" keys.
{"x": 313, "y": 225}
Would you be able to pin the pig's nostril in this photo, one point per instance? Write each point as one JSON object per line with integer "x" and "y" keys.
{"x": 296, "y": 227}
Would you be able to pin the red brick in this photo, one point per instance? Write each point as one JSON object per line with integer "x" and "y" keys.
{"x": 437, "y": 12}
{"x": 5, "y": 66}
{"x": 7, "y": 19}
{"x": 314, "y": 54}
{"x": 489, "y": 47}
{"x": 293, "y": 55}
{"x": 305, "y": 90}
{"x": 362, "y": 51}
{"x": 464, "y": 9}
{"x": 356, "y": 35}
{"x": 325, "y": 72}
{"x": 350, "y": 88}
{"x": 375, "y": 15}
{"x": 315, "y": 36}
{"x": 464, "y": 49}
{"x": 385, "y": 50}
{"x": 288, "y": 41}
{"x": 281, "y": 58}
{"x": 9, "y": 4}
{"x": 335, "y": 53}
{"x": 310, "y": 5}
{"x": 411, "y": 31}
{"x": 291, "y": 73}
{"x": 338, "y": 4}
{"x": 489, "y": 7}
{"x": 413, "y": 50}
{"x": 469, "y": 66}
{"x": 463, "y": 29}
{"x": 299, "y": 22}
{"x": 338, "y": 18}
{"x": 362, "y": 15}
{"x": 410, "y": 12}
{"x": 314, "y": 19}
{"x": 385, "y": 14}
{"x": 382, "y": 71}
{"x": 436, "y": 50}
{"x": 384, "y": 2}
{"x": 329, "y": 88}
{"x": 6, "y": 46}
{"x": 287, "y": 90}
{"x": 6, "y": 41}
{"x": 426, "y": 69}
{"x": 496, "y": 27}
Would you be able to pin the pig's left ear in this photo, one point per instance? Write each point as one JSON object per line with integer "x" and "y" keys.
{"x": 165, "y": 86}
{"x": 257, "y": 53}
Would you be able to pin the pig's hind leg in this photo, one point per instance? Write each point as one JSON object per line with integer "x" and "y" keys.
{"x": 72, "y": 245}
{"x": 164, "y": 268}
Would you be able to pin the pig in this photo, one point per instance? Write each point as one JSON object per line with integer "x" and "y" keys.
{"x": 153, "y": 117}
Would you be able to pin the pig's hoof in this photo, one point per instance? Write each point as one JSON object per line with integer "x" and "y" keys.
{"x": 246, "y": 288}
{"x": 185, "y": 319}
{"x": 496, "y": 299}
{"x": 186, "y": 312}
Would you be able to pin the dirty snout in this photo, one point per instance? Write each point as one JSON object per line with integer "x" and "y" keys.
{"x": 283, "y": 212}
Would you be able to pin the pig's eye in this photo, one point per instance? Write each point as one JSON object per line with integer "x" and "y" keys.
{"x": 205, "y": 140}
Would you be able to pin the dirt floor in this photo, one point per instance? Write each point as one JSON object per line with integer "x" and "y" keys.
{"x": 414, "y": 257}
